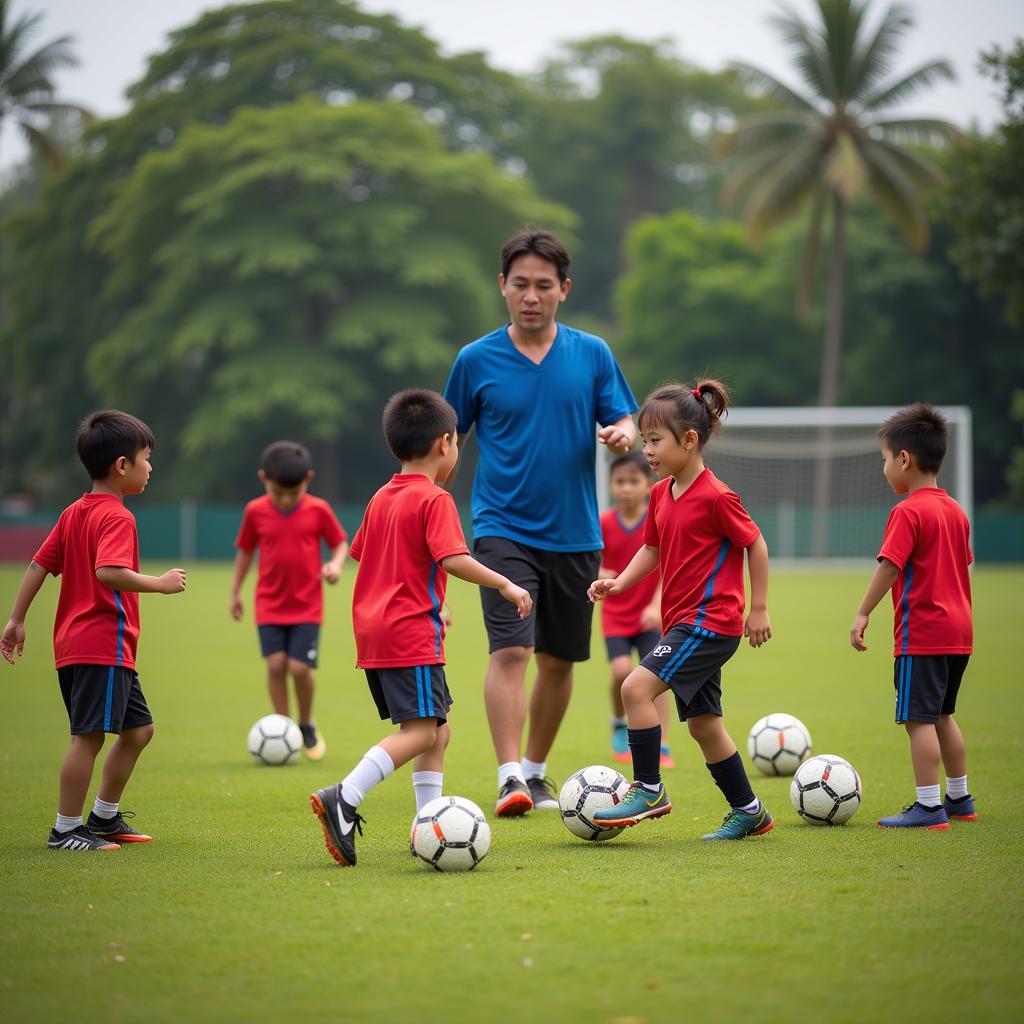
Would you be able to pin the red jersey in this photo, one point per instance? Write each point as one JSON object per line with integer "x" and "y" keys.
{"x": 289, "y": 588}
{"x": 928, "y": 539}
{"x": 700, "y": 537}
{"x": 94, "y": 624}
{"x": 620, "y": 613}
{"x": 410, "y": 525}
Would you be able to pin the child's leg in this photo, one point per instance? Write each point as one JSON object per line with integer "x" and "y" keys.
{"x": 665, "y": 705}
{"x": 305, "y": 684}
{"x": 277, "y": 681}
{"x": 639, "y": 693}
{"x": 952, "y": 748}
{"x": 925, "y": 753}
{"x": 620, "y": 668}
{"x": 76, "y": 773}
{"x": 723, "y": 761}
{"x": 120, "y": 762}
{"x": 428, "y": 768}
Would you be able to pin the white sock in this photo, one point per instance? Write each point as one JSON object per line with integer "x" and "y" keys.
{"x": 751, "y": 808}
{"x": 426, "y": 786}
{"x": 509, "y": 770}
{"x": 375, "y": 767}
{"x": 104, "y": 810}
{"x": 956, "y": 788}
{"x": 65, "y": 822}
{"x": 652, "y": 787}
{"x": 534, "y": 769}
{"x": 928, "y": 796}
{"x": 619, "y": 720}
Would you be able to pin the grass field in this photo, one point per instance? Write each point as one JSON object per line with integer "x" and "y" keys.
{"x": 236, "y": 911}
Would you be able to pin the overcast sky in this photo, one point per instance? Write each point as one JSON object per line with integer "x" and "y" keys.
{"x": 114, "y": 37}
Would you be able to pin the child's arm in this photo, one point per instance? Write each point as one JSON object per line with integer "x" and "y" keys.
{"x": 119, "y": 578}
{"x": 243, "y": 559}
{"x": 643, "y": 563}
{"x": 758, "y": 626}
{"x": 331, "y": 570}
{"x": 881, "y": 583}
{"x": 467, "y": 568}
{"x": 12, "y": 641}
{"x": 650, "y": 617}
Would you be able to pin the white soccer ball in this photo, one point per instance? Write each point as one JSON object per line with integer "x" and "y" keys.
{"x": 450, "y": 834}
{"x": 826, "y": 790}
{"x": 275, "y": 739}
{"x": 778, "y": 743}
{"x": 589, "y": 790}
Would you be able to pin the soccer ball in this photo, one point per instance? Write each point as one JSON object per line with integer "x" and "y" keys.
{"x": 589, "y": 790}
{"x": 826, "y": 790}
{"x": 450, "y": 834}
{"x": 778, "y": 743}
{"x": 275, "y": 739}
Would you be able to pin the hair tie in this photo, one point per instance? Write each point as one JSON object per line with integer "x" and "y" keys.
{"x": 696, "y": 394}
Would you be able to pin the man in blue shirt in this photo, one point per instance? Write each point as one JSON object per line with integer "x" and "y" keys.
{"x": 536, "y": 391}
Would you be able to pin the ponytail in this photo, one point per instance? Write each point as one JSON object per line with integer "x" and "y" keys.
{"x": 678, "y": 409}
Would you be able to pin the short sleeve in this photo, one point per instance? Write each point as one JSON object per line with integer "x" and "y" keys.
{"x": 331, "y": 530}
{"x": 733, "y": 521}
{"x": 900, "y": 537}
{"x": 614, "y": 397}
{"x": 356, "y": 548}
{"x": 650, "y": 535}
{"x": 444, "y": 529}
{"x": 48, "y": 555}
{"x": 247, "y": 538}
{"x": 116, "y": 543}
{"x": 458, "y": 392}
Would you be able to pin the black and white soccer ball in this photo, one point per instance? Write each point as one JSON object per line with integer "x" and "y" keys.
{"x": 275, "y": 739}
{"x": 778, "y": 743}
{"x": 588, "y": 790}
{"x": 826, "y": 790}
{"x": 450, "y": 834}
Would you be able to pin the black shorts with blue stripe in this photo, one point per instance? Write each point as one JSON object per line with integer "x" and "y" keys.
{"x": 403, "y": 694}
{"x": 102, "y": 698}
{"x": 927, "y": 685}
{"x": 688, "y": 660}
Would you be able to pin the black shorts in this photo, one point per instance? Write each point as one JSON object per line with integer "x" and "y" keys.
{"x": 300, "y": 641}
{"x": 402, "y": 694}
{"x": 102, "y": 698}
{"x": 689, "y": 660}
{"x": 560, "y": 621}
{"x": 927, "y": 685}
{"x": 623, "y": 646}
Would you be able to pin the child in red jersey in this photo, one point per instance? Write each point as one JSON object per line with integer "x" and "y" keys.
{"x": 696, "y": 532}
{"x": 409, "y": 541}
{"x": 923, "y": 561}
{"x": 287, "y": 525}
{"x": 94, "y": 548}
{"x": 630, "y": 621}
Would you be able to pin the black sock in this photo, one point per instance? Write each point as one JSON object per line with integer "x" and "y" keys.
{"x": 731, "y": 778}
{"x": 645, "y": 746}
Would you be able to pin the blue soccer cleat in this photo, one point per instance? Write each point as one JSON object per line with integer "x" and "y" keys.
{"x": 638, "y": 803}
{"x": 620, "y": 743}
{"x": 961, "y": 809}
{"x": 917, "y": 816}
{"x": 738, "y": 824}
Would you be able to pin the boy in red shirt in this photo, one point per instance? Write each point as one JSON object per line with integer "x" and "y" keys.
{"x": 409, "y": 541}
{"x": 630, "y": 621}
{"x": 94, "y": 548}
{"x": 923, "y": 561}
{"x": 287, "y": 525}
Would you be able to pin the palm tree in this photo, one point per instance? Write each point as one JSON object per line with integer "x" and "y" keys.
{"x": 827, "y": 145}
{"x": 27, "y": 92}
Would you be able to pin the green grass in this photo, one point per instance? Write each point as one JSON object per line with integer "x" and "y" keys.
{"x": 236, "y": 911}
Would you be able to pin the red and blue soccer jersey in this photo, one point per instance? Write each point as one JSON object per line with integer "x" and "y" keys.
{"x": 620, "y": 613}
{"x": 700, "y": 537}
{"x": 928, "y": 539}
{"x": 410, "y": 525}
{"x": 289, "y": 589}
{"x": 94, "y": 625}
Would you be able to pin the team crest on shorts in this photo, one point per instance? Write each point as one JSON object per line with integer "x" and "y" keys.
{"x": 661, "y": 650}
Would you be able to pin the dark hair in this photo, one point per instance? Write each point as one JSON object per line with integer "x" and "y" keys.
{"x": 544, "y": 244}
{"x": 286, "y": 463}
{"x": 634, "y": 459}
{"x": 679, "y": 408}
{"x": 413, "y": 420}
{"x": 919, "y": 429}
{"x": 104, "y": 436}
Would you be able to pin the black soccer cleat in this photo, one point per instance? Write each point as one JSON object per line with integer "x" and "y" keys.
{"x": 340, "y": 822}
{"x": 543, "y": 794}
{"x": 513, "y": 799}
{"x": 116, "y": 828}
{"x": 79, "y": 840}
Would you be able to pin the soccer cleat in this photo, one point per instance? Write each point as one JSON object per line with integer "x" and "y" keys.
{"x": 513, "y": 799}
{"x": 666, "y": 760}
{"x": 961, "y": 809}
{"x": 78, "y": 839}
{"x": 542, "y": 793}
{"x": 313, "y": 745}
{"x": 116, "y": 828}
{"x": 917, "y": 816}
{"x": 620, "y": 742}
{"x": 340, "y": 821}
{"x": 738, "y": 824}
{"x": 638, "y": 803}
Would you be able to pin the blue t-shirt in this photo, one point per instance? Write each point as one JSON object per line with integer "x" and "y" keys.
{"x": 536, "y": 430}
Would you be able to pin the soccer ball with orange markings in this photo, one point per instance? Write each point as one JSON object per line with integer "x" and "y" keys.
{"x": 778, "y": 743}
{"x": 450, "y": 834}
{"x": 826, "y": 790}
